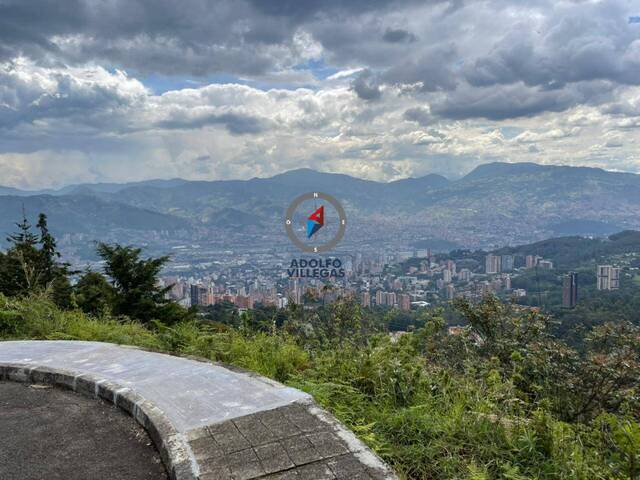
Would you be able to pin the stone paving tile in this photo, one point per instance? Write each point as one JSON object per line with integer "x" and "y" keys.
{"x": 228, "y": 437}
{"x": 212, "y": 470}
{"x": 327, "y": 444}
{"x": 346, "y": 466}
{"x": 288, "y": 475}
{"x": 278, "y": 424}
{"x": 316, "y": 471}
{"x": 357, "y": 476}
{"x": 244, "y": 464}
{"x": 300, "y": 450}
{"x": 302, "y": 418}
{"x": 254, "y": 431}
{"x": 277, "y": 445}
{"x": 376, "y": 474}
{"x": 206, "y": 448}
{"x": 274, "y": 457}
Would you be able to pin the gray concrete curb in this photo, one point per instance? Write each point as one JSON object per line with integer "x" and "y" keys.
{"x": 173, "y": 447}
{"x": 266, "y": 431}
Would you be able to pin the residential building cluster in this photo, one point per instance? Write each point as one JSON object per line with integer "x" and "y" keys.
{"x": 402, "y": 280}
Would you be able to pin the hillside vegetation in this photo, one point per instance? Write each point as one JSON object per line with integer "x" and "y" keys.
{"x": 571, "y": 252}
{"x": 503, "y": 399}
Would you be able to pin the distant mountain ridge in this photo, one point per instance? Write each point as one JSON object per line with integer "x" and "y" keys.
{"x": 84, "y": 214}
{"x": 495, "y": 204}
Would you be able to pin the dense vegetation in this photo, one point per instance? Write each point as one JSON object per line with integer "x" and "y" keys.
{"x": 570, "y": 252}
{"x": 504, "y": 399}
{"x": 129, "y": 286}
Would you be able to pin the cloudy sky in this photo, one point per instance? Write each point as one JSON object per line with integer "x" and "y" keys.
{"x": 115, "y": 90}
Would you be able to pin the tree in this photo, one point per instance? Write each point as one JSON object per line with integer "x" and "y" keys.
{"x": 517, "y": 344}
{"x": 94, "y": 294}
{"x": 20, "y": 270}
{"x": 32, "y": 264}
{"x": 49, "y": 254}
{"x": 608, "y": 371}
{"x": 135, "y": 283}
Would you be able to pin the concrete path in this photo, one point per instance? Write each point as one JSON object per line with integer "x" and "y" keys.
{"x": 192, "y": 394}
{"x": 208, "y": 421}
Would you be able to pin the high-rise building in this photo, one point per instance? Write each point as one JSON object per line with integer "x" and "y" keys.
{"x": 381, "y": 298}
{"x": 608, "y": 277}
{"x": 545, "y": 264}
{"x": 507, "y": 263}
{"x": 294, "y": 291}
{"x": 366, "y": 299}
{"x": 531, "y": 261}
{"x": 451, "y": 266}
{"x": 446, "y": 276}
{"x": 483, "y": 288}
{"x": 451, "y": 291}
{"x": 404, "y": 302}
{"x": 570, "y": 290}
{"x": 493, "y": 264}
{"x": 243, "y": 302}
{"x": 198, "y": 295}
{"x": 391, "y": 298}
{"x": 464, "y": 275}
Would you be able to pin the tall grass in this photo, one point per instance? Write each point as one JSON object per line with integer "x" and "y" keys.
{"x": 428, "y": 422}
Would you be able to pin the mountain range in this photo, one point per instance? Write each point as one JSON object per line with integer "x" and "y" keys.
{"x": 495, "y": 204}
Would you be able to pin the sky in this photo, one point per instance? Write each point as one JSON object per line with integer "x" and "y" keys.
{"x": 127, "y": 90}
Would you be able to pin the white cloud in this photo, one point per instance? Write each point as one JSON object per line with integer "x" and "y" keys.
{"x": 344, "y": 73}
{"x": 72, "y": 124}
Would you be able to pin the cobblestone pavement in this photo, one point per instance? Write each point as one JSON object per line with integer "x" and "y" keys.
{"x": 285, "y": 443}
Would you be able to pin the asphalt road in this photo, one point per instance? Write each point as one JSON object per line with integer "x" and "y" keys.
{"x": 49, "y": 433}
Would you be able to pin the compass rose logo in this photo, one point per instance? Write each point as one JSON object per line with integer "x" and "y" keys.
{"x": 328, "y": 217}
{"x": 315, "y": 222}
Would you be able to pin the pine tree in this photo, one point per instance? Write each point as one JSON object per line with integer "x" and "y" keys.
{"x": 135, "y": 281}
{"x": 32, "y": 263}
{"x": 20, "y": 272}
{"x": 48, "y": 252}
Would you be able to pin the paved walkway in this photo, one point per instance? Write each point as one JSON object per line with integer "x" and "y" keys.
{"x": 208, "y": 422}
{"x": 48, "y": 433}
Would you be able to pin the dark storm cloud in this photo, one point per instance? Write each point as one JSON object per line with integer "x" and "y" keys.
{"x": 432, "y": 69}
{"x": 186, "y": 37}
{"x": 171, "y": 37}
{"x": 398, "y": 35}
{"x": 366, "y": 86}
{"x": 584, "y": 42}
{"x": 235, "y": 123}
{"x": 302, "y": 9}
{"x": 518, "y": 100}
{"x": 496, "y": 59}
{"x": 419, "y": 115}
